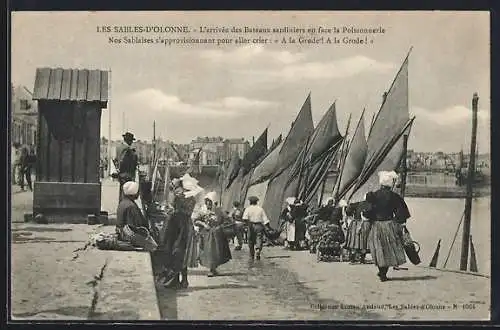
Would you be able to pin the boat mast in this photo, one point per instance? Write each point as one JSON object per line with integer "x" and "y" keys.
{"x": 470, "y": 179}
{"x": 404, "y": 165}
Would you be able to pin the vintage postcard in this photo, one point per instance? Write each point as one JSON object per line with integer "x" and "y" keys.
{"x": 250, "y": 165}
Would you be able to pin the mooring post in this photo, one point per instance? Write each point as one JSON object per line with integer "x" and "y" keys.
{"x": 470, "y": 180}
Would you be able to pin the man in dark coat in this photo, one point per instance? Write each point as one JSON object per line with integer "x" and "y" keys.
{"x": 127, "y": 161}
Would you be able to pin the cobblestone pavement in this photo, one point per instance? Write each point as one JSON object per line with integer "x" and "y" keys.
{"x": 287, "y": 285}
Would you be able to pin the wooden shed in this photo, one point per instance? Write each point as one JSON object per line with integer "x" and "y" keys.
{"x": 70, "y": 102}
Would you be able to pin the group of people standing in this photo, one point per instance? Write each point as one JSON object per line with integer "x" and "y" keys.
{"x": 375, "y": 225}
{"x": 194, "y": 232}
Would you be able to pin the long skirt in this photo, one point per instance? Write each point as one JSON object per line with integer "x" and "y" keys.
{"x": 385, "y": 244}
{"x": 357, "y": 235}
{"x": 290, "y": 231}
{"x": 296, "y": 231}
{"x": 214, "y": 248}
{"x": 191, "y": 256}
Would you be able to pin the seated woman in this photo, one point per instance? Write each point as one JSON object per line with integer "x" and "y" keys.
{"x": 214, "y": 246}
{"x": 128, "y": 212}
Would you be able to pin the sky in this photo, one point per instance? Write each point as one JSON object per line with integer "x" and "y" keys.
{"x": 237, "y": 90}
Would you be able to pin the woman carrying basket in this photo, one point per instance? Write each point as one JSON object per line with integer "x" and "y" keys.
{"x": 387, "y": 212}
{"x": 180, "y": 241}
{"x": 214, "y": 246}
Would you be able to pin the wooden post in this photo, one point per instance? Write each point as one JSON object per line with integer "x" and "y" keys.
{"x": 110, "y": 157}
{"x": 404, "y": 165}
{"x": 470, "y": 179}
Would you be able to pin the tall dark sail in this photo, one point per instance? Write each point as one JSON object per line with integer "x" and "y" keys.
{"x": 301, "y": 128}
{"x": 389, "y": 124}
{"x": 354, "y": 159}
{"x": 267, "y": 166}
{"x": 324, "y": 136}
{"x": 233, "y": 169}
{"x": 296, "y": 139}
{"x": 255, "y": 154}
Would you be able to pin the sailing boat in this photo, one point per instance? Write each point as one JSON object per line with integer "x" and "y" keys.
{"x": 312, "y": 165}
{"x": 297, "y": 137}
{"x": 385, "y": 144}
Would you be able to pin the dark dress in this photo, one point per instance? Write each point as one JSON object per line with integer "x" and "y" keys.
{"x": 178, "y": 234}
{"x": 298, "y": 230}
{"x": 325, "y": 213}
{"x": 128, "y": 213}
{"x": 214, "y": 246}
{"x": 388, "y": 210}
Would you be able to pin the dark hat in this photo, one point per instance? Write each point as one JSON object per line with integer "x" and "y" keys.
{"x": 128, "y": 135}
{"x": 253, "y": 199}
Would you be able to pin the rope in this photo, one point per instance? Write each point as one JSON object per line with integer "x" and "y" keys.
{"x": 454, "y": 238}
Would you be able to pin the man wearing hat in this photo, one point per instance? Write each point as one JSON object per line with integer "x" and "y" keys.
{"x": 257, "y": 219}
{"x": 127, "y": 161}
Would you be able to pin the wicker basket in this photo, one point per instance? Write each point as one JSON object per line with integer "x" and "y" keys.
{"x": 140, "y": 237}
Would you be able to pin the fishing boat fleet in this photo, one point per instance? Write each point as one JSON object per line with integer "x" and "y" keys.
{"x": 298, "y": 165}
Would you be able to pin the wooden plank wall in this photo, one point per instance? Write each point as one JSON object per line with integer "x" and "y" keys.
{"x": 76, "y": 158}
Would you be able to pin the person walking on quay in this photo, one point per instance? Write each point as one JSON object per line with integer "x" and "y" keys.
{"x": 257, "y": 219}
{"x": 214, "y": 246}
{"x": 236, "y": 216}
{"x": 25, "y": 165}
{"x": 127, "y": 162}
{"x": 386, "y": 210}
{"x": 128, "y": 212}
{"x": 179, "y": 247}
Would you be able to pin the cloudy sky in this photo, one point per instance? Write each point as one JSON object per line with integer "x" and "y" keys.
{"x": 236, "y": 91}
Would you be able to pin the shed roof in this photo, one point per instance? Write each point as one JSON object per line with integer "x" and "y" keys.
{"x": 71, "y": 85}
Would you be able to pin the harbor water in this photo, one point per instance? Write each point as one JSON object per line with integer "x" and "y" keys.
{"x": 433, "y": 219}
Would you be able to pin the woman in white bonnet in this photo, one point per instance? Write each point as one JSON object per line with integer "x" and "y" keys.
{"x": 128, "y": 212}
{"x": 179, "y": 246}
{"x": 388, "y": 211}
{"x": 214, "y": 246}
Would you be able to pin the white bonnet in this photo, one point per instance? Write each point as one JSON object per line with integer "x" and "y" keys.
{"x": 387, "y": 178}
{"x": 130, "y": 188}
{"x": 211, "y": 196}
